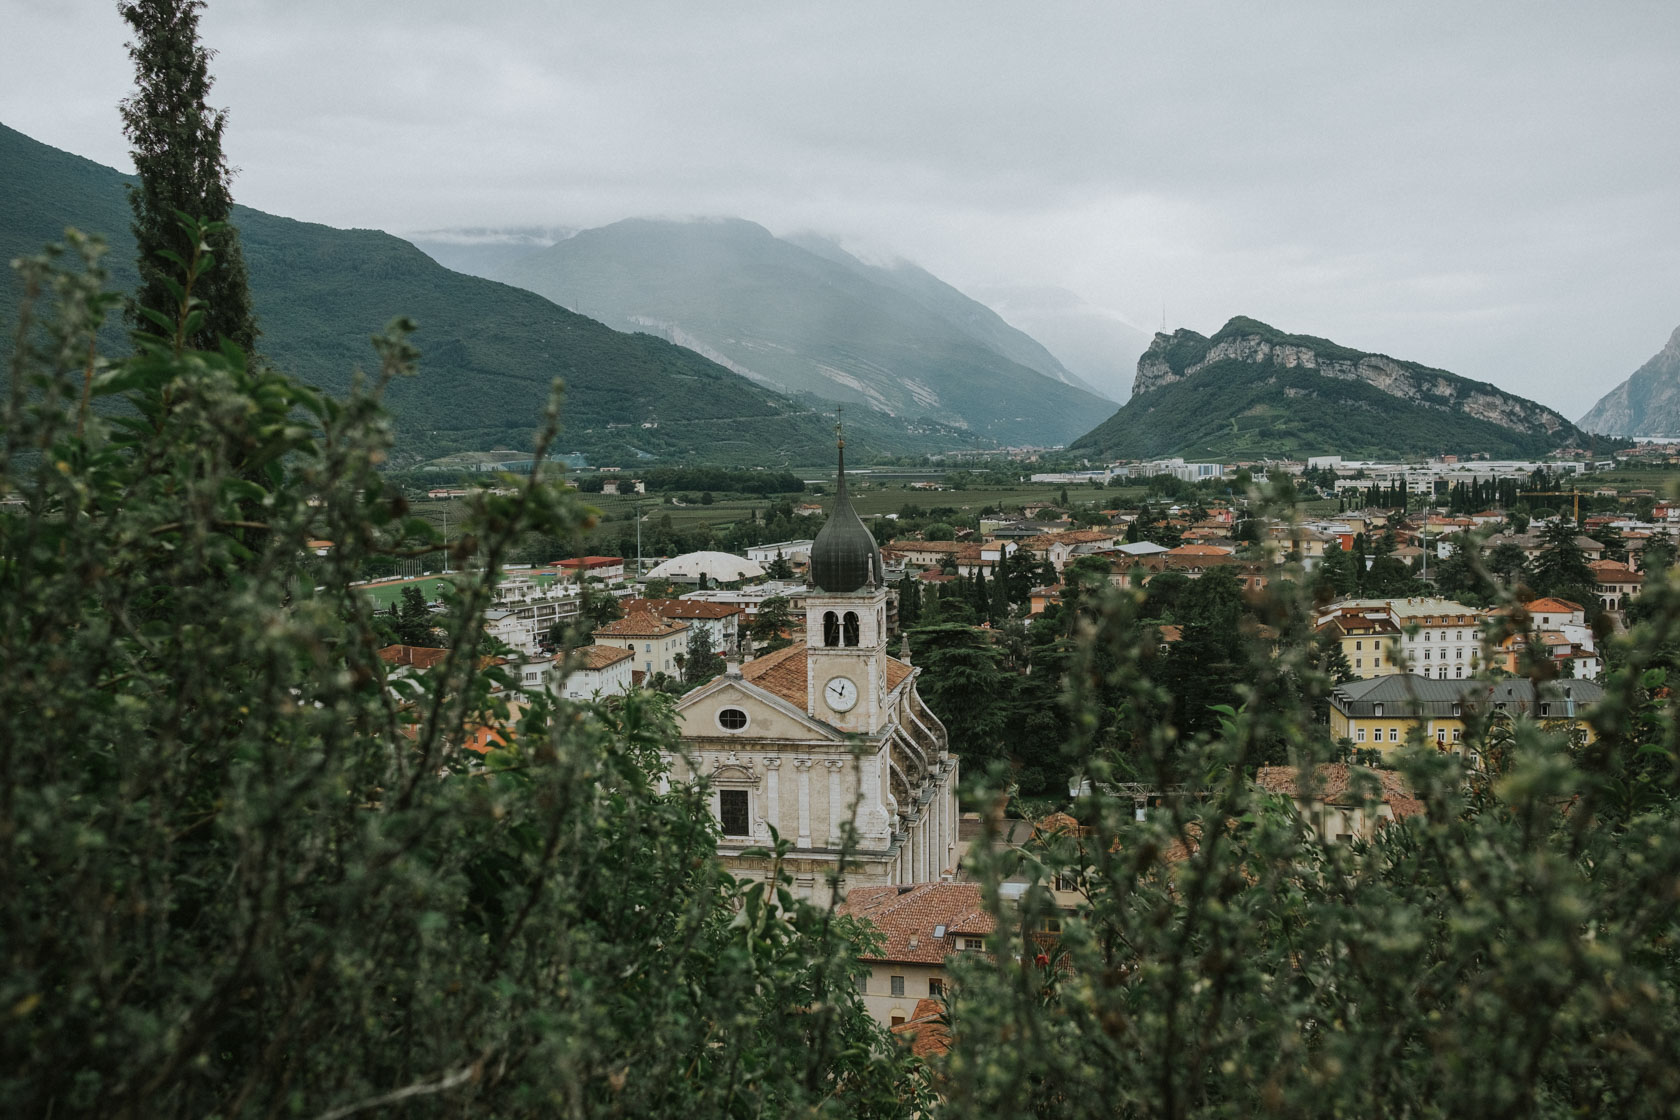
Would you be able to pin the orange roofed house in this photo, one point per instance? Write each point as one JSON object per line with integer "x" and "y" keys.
{"x": 607, "y": 569}
{"x": 1340, "y": 801}
{"x": 654, "y": 641}
{"x": 922, "y": 925}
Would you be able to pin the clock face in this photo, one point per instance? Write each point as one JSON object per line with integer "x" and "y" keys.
{"x": 840, "y": 694}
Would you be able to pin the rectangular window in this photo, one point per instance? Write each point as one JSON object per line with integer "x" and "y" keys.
{"x": 863, "y": 984}
{"x": 898, "y": 985}
{"x": 974, "y": 943}
{"x": 1457, "y": 732}
{"x": 936, "y": 987}
{"x": 1359, "y": 663}
{"x": 1359, "y": 735}
{"x": 1394, "y": 734}
{"x": 732, "y": 807}
{"x": 1358, "y": 645}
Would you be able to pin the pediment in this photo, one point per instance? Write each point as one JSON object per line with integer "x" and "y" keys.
{"x": 769, "y": 717}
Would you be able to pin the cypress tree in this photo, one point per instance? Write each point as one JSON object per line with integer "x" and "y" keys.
{"x": 176, "y": 143}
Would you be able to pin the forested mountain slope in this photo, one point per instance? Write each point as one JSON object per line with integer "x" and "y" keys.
{"x": 489, "y": 351}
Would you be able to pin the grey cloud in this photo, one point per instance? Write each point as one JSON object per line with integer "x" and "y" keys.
{"x": 1485, "y": 187}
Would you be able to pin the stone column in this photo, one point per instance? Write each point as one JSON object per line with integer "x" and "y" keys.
{"x": 773, "y": 792}
{"x": 836, "y": 798}
{"x": 923, "y": 848}
{"x": 803, "y": 766}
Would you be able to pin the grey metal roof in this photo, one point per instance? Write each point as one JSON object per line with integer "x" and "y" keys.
{"x": 1407, "y": 695}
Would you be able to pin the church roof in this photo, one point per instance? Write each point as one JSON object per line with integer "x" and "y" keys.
{"x": 844, "y": 556}
{"x": 783, "y": 673}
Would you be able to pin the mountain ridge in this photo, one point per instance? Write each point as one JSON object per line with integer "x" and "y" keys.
{"x": 1647, "y": 403}
{"x": 815, "y": 322}
{"x": 1251, "y": 389}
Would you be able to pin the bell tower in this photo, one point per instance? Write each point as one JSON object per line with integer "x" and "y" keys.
{"x": 846, "y": 618}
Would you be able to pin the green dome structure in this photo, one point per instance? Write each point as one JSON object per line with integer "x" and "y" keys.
{"x": 845, "y": 556}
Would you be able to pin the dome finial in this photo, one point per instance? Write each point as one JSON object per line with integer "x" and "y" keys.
{"x": 844, "y": 556}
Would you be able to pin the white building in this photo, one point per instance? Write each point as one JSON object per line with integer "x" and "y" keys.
{"x": 794, "y": 552}
{"x": 591, "y": 670}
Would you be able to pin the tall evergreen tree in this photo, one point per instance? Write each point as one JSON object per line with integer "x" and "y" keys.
{"x": 175, "y": 140}
{"x": 1561, "y": 568}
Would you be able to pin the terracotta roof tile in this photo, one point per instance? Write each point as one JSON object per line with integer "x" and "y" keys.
{"x": 927, "y": 1035}
{"x": 1551, "y": 606}
{"x": 682, "y": 608}
{"x": 909, "y": 915}
{"x": 594, "y": 657}
{"x": 639, "y": 624}
{"x": 419, "y": 657}
{"x": 783, "y": 673}
{"x": 1331, "y": 783}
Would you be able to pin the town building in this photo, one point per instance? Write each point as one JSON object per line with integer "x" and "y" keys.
{"x": 592, "y": 670}
{"x": 797, "y": 553}
{"x": 607, "y": 569}
{"x": 1616, "y": 585}
{"x": 922, "y": 926}
{"x": 827, "y": 741}
{"x": 1437, "y": 638}
{"x": 1382, "y": 712}
{"x": 1340, "y": 801}
{"x": 707, "y": 568}
{"x": 720, "y": 622}
{"x": 656, "y": 642}
{"x": 1371, "y": 643}
{"x": 525, "y": 609}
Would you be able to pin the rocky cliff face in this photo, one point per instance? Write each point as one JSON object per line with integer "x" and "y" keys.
{"x": 1183, "y": 354}
{"x": 1646, "y": 404}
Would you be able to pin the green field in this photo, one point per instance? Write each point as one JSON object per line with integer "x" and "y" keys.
{"x": 388, "y": 594}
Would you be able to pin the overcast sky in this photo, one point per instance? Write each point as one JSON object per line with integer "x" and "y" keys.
{"x": 1492, "y": 188}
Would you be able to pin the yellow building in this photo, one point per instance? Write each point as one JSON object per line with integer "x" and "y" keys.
{"x": 1436, "y": 638}
{"x": 656, "y": 642}
{"x": 1369, "y": 644}
{"x": 1380, "y": 713}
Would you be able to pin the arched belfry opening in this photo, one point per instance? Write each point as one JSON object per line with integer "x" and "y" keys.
{"x": 849, "y": 628}
{"x": 831, "y": 628}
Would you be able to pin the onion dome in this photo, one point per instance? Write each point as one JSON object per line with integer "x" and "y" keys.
{"x": 844, "y": 556}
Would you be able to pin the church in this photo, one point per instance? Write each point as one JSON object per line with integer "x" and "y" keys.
{"x": 826, "y": 731}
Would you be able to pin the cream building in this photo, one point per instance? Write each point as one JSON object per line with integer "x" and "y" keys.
{"x": 827, "y": 733}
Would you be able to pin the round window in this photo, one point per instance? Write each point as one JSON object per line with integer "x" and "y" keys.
{"x": 732, "y": 719}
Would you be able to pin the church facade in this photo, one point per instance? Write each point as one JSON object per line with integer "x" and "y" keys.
{"x": 828, "y": 734}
